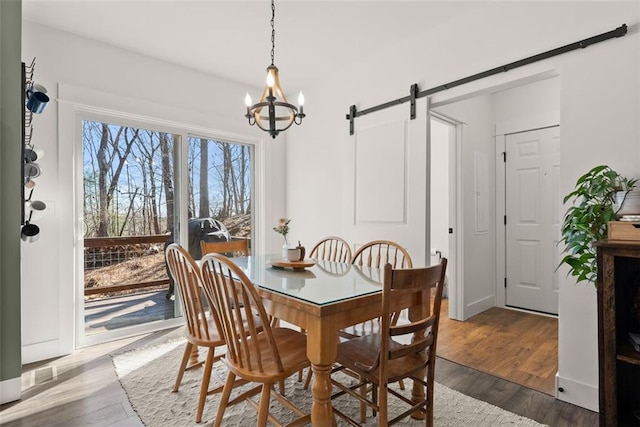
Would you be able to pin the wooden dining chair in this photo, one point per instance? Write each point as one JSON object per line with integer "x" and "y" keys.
{"x": 201, "y": 330}
{"x": 239, "y": 247}
{"x": 331, "y": 248}
{"x": 376, "y": 254}
{"x": 406, "y": 351}
{"x": 265, "y": 356}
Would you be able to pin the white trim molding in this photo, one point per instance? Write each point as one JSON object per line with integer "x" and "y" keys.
{"x": 577, "y": 393}
{"x": 10, "y": 390}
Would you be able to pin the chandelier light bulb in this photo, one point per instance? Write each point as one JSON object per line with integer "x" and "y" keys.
{"x": 301, "y": 99}
{"x": 247, "y": 100}
{"x": 270, "y": 79}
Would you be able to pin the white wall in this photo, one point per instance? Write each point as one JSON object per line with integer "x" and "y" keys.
{"x": 599, "y": 113}
{"x": 528, "y": 106}
{"x": 599, "y": 119}
{"x": 145, "y": 87}
{"x": 478, "y": 206}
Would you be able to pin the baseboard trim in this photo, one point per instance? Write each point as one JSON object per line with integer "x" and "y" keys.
{"x": 577, "y": 393}
{"x": 10, "y": 390}
{"x": 477, "y": 307}
{"x": 40, "y": 351}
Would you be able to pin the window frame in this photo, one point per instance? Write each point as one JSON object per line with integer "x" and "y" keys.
{"x": 73, "y": 111}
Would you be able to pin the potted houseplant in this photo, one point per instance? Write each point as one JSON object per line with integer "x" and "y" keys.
{"x": 593, "y": 206}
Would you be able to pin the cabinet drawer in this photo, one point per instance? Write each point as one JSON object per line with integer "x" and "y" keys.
{"x": 624, "y": 230}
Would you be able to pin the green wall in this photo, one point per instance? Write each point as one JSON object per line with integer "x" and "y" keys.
{"x": 10, "y": 199}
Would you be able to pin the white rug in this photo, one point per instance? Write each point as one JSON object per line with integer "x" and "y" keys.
{"x": 147, "y": 375}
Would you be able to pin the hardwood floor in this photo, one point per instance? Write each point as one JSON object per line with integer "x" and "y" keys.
{"x": 510, "y": 396}
{"x": 514, "y": 345}
{"x": 82, "y": 389}
{"x": 507, "y": 358}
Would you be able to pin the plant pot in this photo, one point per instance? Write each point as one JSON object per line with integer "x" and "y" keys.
{"x": 627, "y": 203}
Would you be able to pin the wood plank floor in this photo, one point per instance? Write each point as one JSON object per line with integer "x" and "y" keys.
{"x": 514, "y": 345}
{"x": 85, "y": 391}
{"x": 510, "y": 396}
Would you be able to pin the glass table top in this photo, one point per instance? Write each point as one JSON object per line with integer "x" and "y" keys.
{"x": 324, "y": 283}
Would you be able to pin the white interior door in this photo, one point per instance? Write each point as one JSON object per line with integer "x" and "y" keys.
{"x": 442, "y": 135}
{"x": 390, "y": 198}
{"x": 532, "y": 219}
{"x": 445, "y": 227}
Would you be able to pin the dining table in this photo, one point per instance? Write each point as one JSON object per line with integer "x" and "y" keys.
{"x": 322, "y": 297}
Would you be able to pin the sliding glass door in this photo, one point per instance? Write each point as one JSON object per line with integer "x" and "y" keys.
{"x": 138, "y": 184}
{"x": 128, "y": 217}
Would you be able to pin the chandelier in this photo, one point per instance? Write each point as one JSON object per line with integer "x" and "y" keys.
{"x": 273, "y": 109}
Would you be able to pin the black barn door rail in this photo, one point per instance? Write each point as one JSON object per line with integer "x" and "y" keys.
{"x": 415, "y": 93}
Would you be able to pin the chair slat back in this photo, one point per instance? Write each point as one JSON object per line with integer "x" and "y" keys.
{"x": 332, "y": 248}
{"x": 235, "y": 247}
{"x": 186, "y": 276}
{"x": 377, "y": 253}
{"x": 250, "y": 342}
{"x": 418, "y": 283}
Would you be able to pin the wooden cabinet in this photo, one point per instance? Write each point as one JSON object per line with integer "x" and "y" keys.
{"x": 618, "y": 314}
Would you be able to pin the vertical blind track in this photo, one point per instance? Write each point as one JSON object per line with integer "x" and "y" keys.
{"x": 414, "y": 93}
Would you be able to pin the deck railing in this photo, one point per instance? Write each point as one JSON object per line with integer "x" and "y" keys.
{"x": 102, "y": 252}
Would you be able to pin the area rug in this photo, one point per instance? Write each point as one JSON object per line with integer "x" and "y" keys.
{"x": 147, "y": 376}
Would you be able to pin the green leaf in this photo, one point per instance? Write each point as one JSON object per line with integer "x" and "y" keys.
{"x": 586, "y": 220}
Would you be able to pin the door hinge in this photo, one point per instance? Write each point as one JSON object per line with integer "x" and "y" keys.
{"x": 505, "y": 283}
{"x": 450, "y": 230}
{"x": 504, "y": 156}
{"x": 505, "y": 220}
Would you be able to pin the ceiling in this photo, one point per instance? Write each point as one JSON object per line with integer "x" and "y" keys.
{"x": 232, "y": 39}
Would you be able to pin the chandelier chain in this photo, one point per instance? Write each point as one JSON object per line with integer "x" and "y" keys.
{"x": 273, "y": 30}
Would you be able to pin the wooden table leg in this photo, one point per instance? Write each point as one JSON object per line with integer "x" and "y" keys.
{"x": 322, "y": 411}
{"x": 322, "y": 351}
